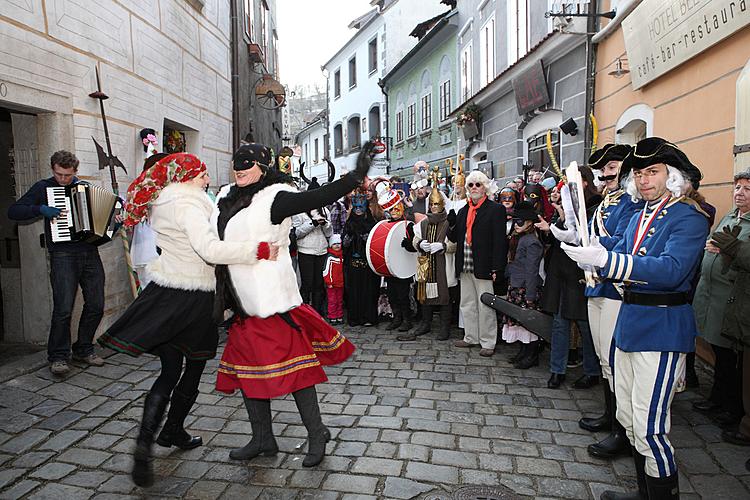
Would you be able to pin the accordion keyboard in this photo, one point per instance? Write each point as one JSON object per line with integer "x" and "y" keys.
{"x": 60, "y": 227}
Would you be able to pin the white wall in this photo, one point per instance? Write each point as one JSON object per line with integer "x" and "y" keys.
{"x": 306, "y": 140}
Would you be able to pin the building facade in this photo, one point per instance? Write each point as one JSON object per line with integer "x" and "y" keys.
{"x": 312, "y": 142}
{"x": 356, "y": 105}
{"x": 527, "y": 74}
{"x": 421, "y": 95}
{"x": 165, "y": 65}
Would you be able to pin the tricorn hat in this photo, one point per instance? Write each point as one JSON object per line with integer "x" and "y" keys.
{"x": 247, "y": 155}
{"x": 608, "y": 153}
{"x": 653, "y": 150}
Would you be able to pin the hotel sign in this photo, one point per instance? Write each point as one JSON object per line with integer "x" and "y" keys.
{"x": 662, "y": 34}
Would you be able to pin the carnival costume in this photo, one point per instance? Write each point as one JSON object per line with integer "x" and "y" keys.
{"x": 608, "y": 223}
{"x": 172, "y": 317}
{"x": 655, "y": 262}
{"x": 277, "y": 345}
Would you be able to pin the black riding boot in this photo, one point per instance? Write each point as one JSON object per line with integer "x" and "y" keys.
{"x": 426, "y": 323}
{"x": 173, "y": 433}
{"x": 445, "y": 322}
{"x": 643, "y": 492}
{"x": 531, "y": 358}
{"x": 153, "y": 411}
{"x": 396, "y": 321}
{"x": 317, "y": 433}
{"x": 262, "y": 442}
{"x": 518, "y": 356}
{"x": 663, "y": 488}
{"x": 616, "y": 444}
{"x": 605, "y": 421}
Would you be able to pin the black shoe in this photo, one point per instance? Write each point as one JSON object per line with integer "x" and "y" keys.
{"x": 262, "y": 442}
{"x": 586, "y": 382}
{"x": 706, "y": 406}
{"x": 531, "y": 358}
{"x": 727, "y": 419}
{"x": 317, "y": 433}
{"x": 613, "y": 446}
{"x": 395, "y": 322}
{"x": 603, "y": 423}
{"x": 173, "y": 433}
{"x": 663, "y": 488}
{"x": 406, "y": 325}
{"x": 643, "y": 491}
{"x": 520, "y": 354}
{"x": 407, "y": 337}
{"x": 153, "y": 411}
{"x": 735, "y": 437}
{"x": 555, "y": 380}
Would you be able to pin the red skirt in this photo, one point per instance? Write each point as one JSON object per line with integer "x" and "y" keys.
{"x": 267, "y": 358}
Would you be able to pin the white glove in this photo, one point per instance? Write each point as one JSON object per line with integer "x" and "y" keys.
{"x": 564, "y": 235}
{"x": 594, "y": 255}
{"x": 425, "y": 245}
{"x": 436, "y": 247}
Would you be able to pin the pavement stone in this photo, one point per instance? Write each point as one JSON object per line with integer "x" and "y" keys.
{"x": 407, "y": 419}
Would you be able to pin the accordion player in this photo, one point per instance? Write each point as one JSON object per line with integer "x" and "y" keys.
{"x": 89, "y": 212}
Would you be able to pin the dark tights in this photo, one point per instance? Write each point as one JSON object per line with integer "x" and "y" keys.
{"x": 171, "y": 367}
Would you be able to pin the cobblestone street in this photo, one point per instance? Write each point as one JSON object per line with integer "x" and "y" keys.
{"x": 409, "y": 420}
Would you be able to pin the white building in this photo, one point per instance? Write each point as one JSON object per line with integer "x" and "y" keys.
{"x": 164, "y": 64}
{"x": 312, "y": 141}
{"x": 356, "y": 105}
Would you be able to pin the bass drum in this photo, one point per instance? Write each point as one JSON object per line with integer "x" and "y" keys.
{"x": 385, "y": 254}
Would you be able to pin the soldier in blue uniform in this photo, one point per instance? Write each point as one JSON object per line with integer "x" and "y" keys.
{"x": 608, "y": 224}
{"x": 655, "y": 262}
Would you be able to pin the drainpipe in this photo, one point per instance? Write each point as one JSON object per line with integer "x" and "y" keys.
{"x": 592, "y": 25}
{"x": 381, "y": 84}
{"x": 235, "y": 76}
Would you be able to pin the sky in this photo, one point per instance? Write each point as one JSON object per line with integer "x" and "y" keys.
{"x": 310, "y": 33}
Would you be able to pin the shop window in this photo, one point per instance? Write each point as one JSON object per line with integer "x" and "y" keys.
{"x": 538, "y": 156}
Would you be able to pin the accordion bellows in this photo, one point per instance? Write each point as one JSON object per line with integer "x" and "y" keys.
{"x": 89, "y": 213}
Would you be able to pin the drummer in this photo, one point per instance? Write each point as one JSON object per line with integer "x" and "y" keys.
{"x": 397, "y": 288}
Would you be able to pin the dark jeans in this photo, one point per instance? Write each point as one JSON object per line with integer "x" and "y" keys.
{"x": 68, "y": 271}
{"x": 727, "y": 387}
{"x": 311, "y": 275}
{"x": 558, "y": 359}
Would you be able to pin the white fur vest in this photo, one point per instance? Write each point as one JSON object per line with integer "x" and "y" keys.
{"x": 266, "y": 287}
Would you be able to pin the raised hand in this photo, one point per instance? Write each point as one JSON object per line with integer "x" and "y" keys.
{"x": 364, "y": 161}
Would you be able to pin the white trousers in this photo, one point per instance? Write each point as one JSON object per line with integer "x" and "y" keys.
{"x": 480, "y": 321}
{"x": 645, "y": 383}
{"x": 602, "y": 320}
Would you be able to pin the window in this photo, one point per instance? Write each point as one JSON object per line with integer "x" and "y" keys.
{"x": 427, "y": 112}
{"x": 249, "y": 19}
{"x": 374, "y": 118}
{"x": 354, "y": 132}
{"x": 487, "y": 52}
{"x": 372, "y": 55}
{"x": 307, "y": 152}
{"x": 338, "y": 140}
{"x": 317, "y": 153}
{"x": 466, "y": 84}
{"x": 518, "y": 38}
{"x": 538, "y": 155}
{"x": 264, "y": 26}
{"x": 399, "y": 125}
{"x": 337, "y": 84}
{"x": 353, "y": 72}
{"x": 445, "y": 100}
{"x": 411, "y": 120}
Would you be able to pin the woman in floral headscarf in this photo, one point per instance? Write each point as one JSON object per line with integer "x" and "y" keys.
{"x": 172, "y": 318}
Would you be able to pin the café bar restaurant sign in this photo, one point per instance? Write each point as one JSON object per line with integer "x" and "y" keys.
{"x": 662, "y": 34}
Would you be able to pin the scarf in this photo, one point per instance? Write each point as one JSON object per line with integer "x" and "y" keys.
{"x": 472, "y": 215}
{"x": 178, "y": 167}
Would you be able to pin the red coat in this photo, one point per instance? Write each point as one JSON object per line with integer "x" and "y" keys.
{"x": 333, "y": 271}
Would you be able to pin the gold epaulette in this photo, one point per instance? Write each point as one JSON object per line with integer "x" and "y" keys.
{"x": 695, "y": 205}
{"x": 615, "y": 195}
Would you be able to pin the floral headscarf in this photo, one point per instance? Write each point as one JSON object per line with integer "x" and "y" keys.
{"x": 177, "y": 167}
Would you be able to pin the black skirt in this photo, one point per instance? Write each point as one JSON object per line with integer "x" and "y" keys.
{"x": 162, "y": 316}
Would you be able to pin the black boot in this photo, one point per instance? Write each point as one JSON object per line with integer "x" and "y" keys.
{"x": 643, "y": 492}
{"x": 663, "y": 488}
{"x": 603, "y": 423}
{"x": 518, "y": 356}
{"x": 153, "y": 411}
{"x": 426, "y": 323}
{"x": 616, "y": 444}
{"x": 173, "y": 433}
{"x": 396, "y": 321}
{"x": 262, "y": 442}
{"x": 445, "y": 322}
{"x": 317, "y": 433}
{"x": 532, "y": 356}
{"x": 691, "y": 377}
{"x": 407, "y": 324}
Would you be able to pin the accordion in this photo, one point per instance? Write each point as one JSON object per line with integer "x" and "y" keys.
{"x": 89, "y": 212}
